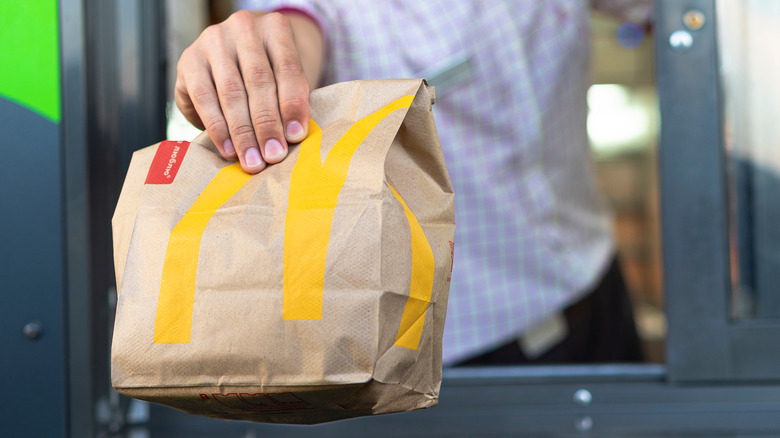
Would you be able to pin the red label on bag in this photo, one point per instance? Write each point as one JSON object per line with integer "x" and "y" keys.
{"x": 166, "y": 162}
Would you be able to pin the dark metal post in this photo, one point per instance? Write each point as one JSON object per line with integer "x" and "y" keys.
{"x": 80, "y": 400}
{"x": 693, "y": 193}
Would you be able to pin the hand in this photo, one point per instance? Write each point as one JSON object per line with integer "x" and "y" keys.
{"x": 243, "y": 81}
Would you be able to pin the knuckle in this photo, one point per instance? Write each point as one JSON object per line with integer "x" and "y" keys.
{"x": 202, "y": 96}
{"x": 189, "y": 58}
{"x": 215, "y": 125}
{"x": 242, "y": 20}
{"x": 185, "y": 55}
{"x": 241, "y": 130}
{"x": 289, "y": 66}
{"x": 265, "y": 119}
{"x": 293, "y": 103}
{"x": 279, "y": 21}
{"x": 241, "y": 15}
{"x": 232, "y": 90}
{"x": 212, "y": 33}
{"x": 260, "y": 76}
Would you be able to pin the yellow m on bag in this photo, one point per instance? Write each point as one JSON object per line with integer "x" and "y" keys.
{"x": 423, "y": 266}
{"x": 312, "y": 199}
{"x": 314, "y": 191}
{"x": 173, "y": 322}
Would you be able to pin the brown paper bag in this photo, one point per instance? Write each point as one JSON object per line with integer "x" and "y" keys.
{"x": 313, "y": 291}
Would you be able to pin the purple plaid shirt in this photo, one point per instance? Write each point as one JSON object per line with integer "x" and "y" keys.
{"x": 532, "y": 233}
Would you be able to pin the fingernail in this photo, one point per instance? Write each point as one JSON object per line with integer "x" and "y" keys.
{"x": 294, "y": 130}
{"x": 273, "y": 149}
{"x": 228, "y": 148}
{"x": 252, "y": 158}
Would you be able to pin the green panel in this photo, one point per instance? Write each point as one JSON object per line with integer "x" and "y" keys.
{"x": 29, "y": 55}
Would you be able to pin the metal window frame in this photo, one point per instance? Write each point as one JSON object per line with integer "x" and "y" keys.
{"x": 113, "y": 100}
{"x": 703, "y": 343}
{"x": 79, "y": 366}
{"x": 559, "y": 401}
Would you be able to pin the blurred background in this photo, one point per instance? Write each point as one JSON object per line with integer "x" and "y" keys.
{"x": 623, "y": 126}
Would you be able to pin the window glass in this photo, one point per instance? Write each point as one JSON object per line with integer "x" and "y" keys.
{"x": 749, "y": 42}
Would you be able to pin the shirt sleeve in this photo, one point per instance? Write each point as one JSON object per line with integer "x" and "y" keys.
{"x": 636, "y": 11}
{"x": 303, "y": 7}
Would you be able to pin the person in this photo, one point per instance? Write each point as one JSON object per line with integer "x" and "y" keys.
{"x": 535, "y": 275}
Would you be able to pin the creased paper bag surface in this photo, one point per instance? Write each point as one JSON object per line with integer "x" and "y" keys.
{"x": 313, "y": 291}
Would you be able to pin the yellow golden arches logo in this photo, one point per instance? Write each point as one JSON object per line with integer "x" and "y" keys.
{"x": 423, "y": 266}
{"x": 314, "y": 191}
{"x": 173, "y": 322}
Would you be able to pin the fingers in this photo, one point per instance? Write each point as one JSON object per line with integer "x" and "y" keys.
{"x": 243, "y": 82}
{"x": 185, "y": 104}
{"x": 261, "y": 86}
{"x": 276, "y": 85}
{"x": 198, "y": 101}
{"x": 292, "y": 86}
{"x": 235, "y": 107}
